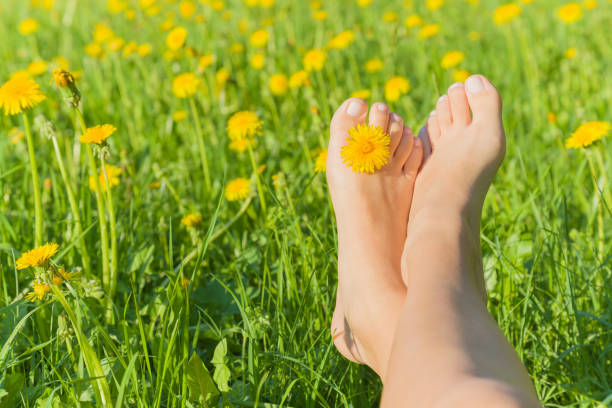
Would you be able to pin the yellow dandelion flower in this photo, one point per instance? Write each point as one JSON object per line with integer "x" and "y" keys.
{"x": 112, "y": 173}
{"x": 570, "y": 13}
{"x": 192, "y": 220}
{"x": 19, "y": 94}
{"x": 179, "y": 116}
{"x": 61, "y": 275}
{"x": 396, "y": 87}
{"x": 390, "y": 17}
{"x": 236, "y": 48}
{"x": 363, "y": 94}
{"x": 244, "y": 125}
{"x": 130, "y": 48}
{"x": 429, "y": 30}
{"x": 62, "y": 78}
{"x": 367, "y": 149}
{"x": 205, "y": 61}
{"x": 342, "y": 40}
{"x": 570, "y": 53}
{"x": 434, "y": 5}
{"x": 266, "y": 3}
{"x": 452, "y": 59}
{"x": 587, "y": 134}
{"x": 298, "y": 79}
{"x": 316, "y": 4}
{"x": 551, "y": 117}
{"x": 60, "y": 62}
{"x": 94, "y": 50}
{"x": 29, "y": 26}
{"x": 413, "y": 20}
{"x": 185, "y": 85}
{"x": 37, "y": 257}
{"x": 144, "y": 49}
{"x": 321, "y": 162}
{"x": 320, "y": 15}
{"x": 102, "y": 33}
{"x": 461, "y": 75}
{"x": 278, "y": 84}
{"x": 259, "y": 38}
{"x": 116, "y": 44}
{"x": 237, "y": 189}
{"x": 116, "y": 6}
{"x": 590, "y": 4}
{"x": 187, "y": 8}
{"x": 241, "y": 145}
{"x": 374, "y": 65}
{"x": 154, "y": 185}
{"x": 98, "y": 134}
{"x": 16, "y": 135}
{"x": 37, "y": 68}
{"x": 506, "y": 13}
{"x": 314, "y": 60}
{"x": 221, "y": 77}
{"x": 258, "y": 61}
{"x": 39, "y": 291}
{"x": 364, "y": 3}
{"x": 176, "y": 38}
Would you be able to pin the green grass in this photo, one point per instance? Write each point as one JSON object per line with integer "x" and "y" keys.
{"x": 262, "y": 289}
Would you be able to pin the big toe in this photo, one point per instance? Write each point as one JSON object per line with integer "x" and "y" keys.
{"x": 352, "y": 112}
{"x": 484, "y": 100}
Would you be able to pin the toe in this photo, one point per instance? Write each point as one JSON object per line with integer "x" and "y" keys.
{"x": 396, "y": 128}
{"x": 412, "y": 165}
{"x": 443, "y": 113}
{"x": 352, "y": 112}
{"x": 379, "y": 115}
{"x": 459, "y": 107}
{"x": 483, "y": 98}
{"x": 425, "y": 144}
{"x": 405, "y": 147}
{"x": 433, "y": 130}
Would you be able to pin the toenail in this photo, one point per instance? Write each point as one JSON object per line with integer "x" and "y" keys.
{"x": 354, "y": 108}
{"x": 382, "y": 107}
{"x": 433, "y": 112}
{"x": 474, "y": 84}
{"x": 395, "y": 117}
{"x": 455, "y": 85}
{"x": 443, "y": 98}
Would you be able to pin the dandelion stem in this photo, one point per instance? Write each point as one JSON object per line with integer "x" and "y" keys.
{"x": 38, "y": 228}
{"x": 73, "y": 207}
{"x": 113, "y": 232}
{"x": 262, "y": 198}
{"x": 600, "y": 223}
{"x": 201, "y": 145}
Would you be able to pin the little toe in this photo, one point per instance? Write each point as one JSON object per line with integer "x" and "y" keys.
{"x": 483, "y": 98}
{"x": 413, "y": 163}
{"x": 433, "y": 130}
{"x": 404, "y": 148}
{"x": 443, "y": 113}
{"x": 379, "y": 115}
{"x": 459, "y": 107}
{"x": 396, "y": 128}
{"x": 352, "y": 112}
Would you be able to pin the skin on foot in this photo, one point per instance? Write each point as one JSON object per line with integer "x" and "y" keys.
{"x": 371, "y": 213}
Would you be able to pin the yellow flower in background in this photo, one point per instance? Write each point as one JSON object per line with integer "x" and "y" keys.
{"x": 20, "y": 94}
{"x": 192, "y": 220}
{"x": 320, "y": 15}
{"x": 116, "y": 6}
{"x": 236, "y": 48}
{"x": 587, "y": 134}
{"x": 570, "y": 13}
{"x": 130, "y": 48}
{"x": 413, "y": 20}
{"x": 429, "y": 30}
{"x": 390, "y": 17}
{"x": 374, "y": 65}
{"x": 298, "y": 79}
{"x": 112, "y": 173}
{"x": 461, "y": 75}
{"x": 570, "y": 53}
{"x": 342, "y": 40}
{"x": 434, "y": 5}
{"x": 259, "y": 38}
{"x": 185, "y": 85}
{"x": 321, "y": 162}
{"x": 363, "y": 94}
{"x": 251, "y": 3}
{"x": 39, "y": 256}
{"x": 316, "y": 4}
{"x": 98, "y": 134}
{"x": 396, "y": 87}
{"x": 552, "y": 118}
{"x": 240, "y": 145}
{"x": 238, "y": 189}
{"x": 314, "y": 60}
{"x": 102, "y": 33}
{"x": 266, "y": 3}
{"x": 39, "y": 291}
{"x": 258, "y": 61}
{"x": 205, "y": 61}
{"x": 179, "y": 116}
{"x": 176, "y": 38}
{"x": 506, "y": 13}
{"x": 244, "y": 125}
{"x": 217, "y": 5}
{"x": 221, "y": 77}
{"x": 187, "y": 8}
{"x": 29, "y": 26}
{"x": 116, "y": 44}
{"x": 367, "y": 149}
{"x": 452, "y": 59}
{"x": 364, "y": 3}
{"x": 16, "y": 135}
{"x": 144, "y": 49}
{"x": 60, "y": 63}
{"x": 590, "y": 4}
{"x": 94, "y": 50}
{"x": 166, "y": 25}
{"x": 37, "y": 68}
{"x": 278, "y": 84}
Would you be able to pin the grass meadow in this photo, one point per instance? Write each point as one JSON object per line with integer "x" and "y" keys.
{"x": 199, "y": 268}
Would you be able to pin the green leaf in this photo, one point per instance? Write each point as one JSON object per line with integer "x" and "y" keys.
{"x": 222, "y": 372}
{"x": 200, "y": 383}
{"x": 11, "y": 388}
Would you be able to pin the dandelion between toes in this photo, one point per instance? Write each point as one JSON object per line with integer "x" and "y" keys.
{"x": 411, "y": 302}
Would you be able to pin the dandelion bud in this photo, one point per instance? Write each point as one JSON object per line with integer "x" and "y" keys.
{"x": 62, "y": 78}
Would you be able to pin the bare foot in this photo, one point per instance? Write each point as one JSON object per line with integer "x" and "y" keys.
{"x": 372, "y": 214}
